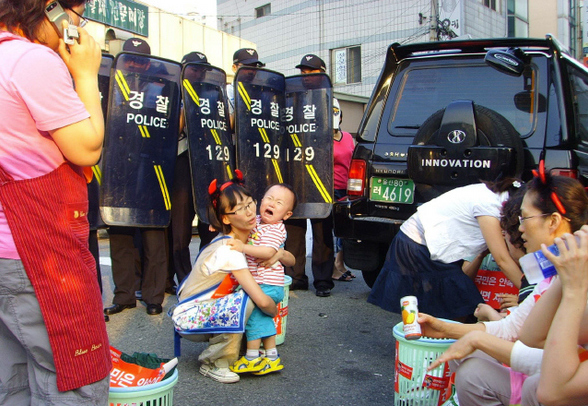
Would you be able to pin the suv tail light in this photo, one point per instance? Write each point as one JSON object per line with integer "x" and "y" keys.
{"x": 356, "y": 180}
{"x": 570, "y": 173}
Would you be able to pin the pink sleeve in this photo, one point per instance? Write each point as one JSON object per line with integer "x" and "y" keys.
{"x": 43, "y": 82}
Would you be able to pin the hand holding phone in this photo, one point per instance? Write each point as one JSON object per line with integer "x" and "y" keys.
{"x": 57, "y": 15}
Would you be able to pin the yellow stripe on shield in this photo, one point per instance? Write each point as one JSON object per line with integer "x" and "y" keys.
{"x": 277, "y": 169}
{"x": 162, "y": 186}
{"x": 122, "y": 83}
{"x": 144, "y": 131}
{"x": 216, "y": 137}
{"x": 319, "y": 184}
{"x": 264, "y": 136}
{"x": 191, "y": 91}
{"x": 244, "y": 95}
{"x": 296, "y": 140}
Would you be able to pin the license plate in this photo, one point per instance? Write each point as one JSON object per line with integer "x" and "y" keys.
{"x": 392, "y": 190}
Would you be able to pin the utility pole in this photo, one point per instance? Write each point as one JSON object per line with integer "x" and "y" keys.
{"x": 433, "y": 20}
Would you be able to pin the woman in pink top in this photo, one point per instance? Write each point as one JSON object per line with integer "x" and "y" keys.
{"x": 343, "y": 146}
{"x": 53, "y": 342}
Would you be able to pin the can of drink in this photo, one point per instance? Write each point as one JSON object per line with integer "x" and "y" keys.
{"x": 410, "y": 314}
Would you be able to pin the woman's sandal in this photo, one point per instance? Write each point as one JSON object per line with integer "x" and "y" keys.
{"x": 345, "y": 277}
{"x": 349, "y": 274}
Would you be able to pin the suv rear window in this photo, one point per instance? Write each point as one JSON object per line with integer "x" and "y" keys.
{"x": 422, "y": 91}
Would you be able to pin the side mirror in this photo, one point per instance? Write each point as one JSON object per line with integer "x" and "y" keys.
{"x": 509, "y": 62}
{"x": 523, "y": 102}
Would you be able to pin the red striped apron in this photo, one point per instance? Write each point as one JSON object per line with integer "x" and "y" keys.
{"x": 47, "y": 219}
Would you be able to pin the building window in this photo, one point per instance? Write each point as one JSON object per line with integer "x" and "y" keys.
{"x": 346, "y": 65}
{"x": 573, "y": 27}
{"x": 518, "y": 18}
{"x": 490, "y": 4}
{"x": 263, "y": 10}
{"x": 579, "y": 81}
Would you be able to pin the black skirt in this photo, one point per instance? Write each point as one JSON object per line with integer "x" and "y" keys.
{"x": 442, "y": 290}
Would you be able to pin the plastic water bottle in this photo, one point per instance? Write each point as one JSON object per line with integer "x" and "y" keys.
{"x": 536, "y": 267}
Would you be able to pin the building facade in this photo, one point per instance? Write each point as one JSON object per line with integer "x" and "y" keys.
{"x": 169, "y": 35}
{"x": 560, "y": 18}
{"x": 352, "y": 36}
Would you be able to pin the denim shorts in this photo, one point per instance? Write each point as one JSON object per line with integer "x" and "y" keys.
{"x": 260, "y": 325}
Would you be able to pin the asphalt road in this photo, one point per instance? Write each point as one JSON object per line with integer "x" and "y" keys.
{"x": 338, "y": 350}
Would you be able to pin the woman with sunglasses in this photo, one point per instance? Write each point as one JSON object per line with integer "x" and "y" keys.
{"x": 53, "y": 342}
{"x": 213, "y": 279}
{"x": 553, "y": 206}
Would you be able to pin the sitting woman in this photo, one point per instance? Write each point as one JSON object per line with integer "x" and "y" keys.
{"x": 426, "y": 256}
{"x": 210, "y": 308}
{"x": 552, "y": 207}
{"x": 562, "y": 321}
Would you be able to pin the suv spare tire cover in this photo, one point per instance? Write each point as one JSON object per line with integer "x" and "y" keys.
{"x": 496, "y": 138}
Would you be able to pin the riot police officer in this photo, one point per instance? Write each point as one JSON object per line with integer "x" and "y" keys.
{"x": 322, "y": 229}
{"x": 123, "y": 250}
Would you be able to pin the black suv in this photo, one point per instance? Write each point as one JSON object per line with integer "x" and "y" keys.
{"x": 447, "y": 114}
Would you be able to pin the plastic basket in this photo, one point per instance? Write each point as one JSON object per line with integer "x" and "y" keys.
{"x": 413, "y": 384}
{"x": 156, "y": 394}
{"x": 282, "y": 317}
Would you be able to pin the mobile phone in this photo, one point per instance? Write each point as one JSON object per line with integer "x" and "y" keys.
{"x": 56, "y": 15}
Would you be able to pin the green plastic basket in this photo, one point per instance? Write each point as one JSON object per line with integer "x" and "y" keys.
{"x": 156, "y": 394}
{"x": 413, "y": 384}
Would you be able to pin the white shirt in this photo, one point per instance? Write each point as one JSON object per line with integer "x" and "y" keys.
{"x": 449, "y": 224}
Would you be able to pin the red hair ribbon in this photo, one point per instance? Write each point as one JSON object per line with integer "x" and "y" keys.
{"x": 214, "y": 190}
{"x": 541, "y": 173}
{"x": 557, "y": 203}
{"x": 554, "y": 198}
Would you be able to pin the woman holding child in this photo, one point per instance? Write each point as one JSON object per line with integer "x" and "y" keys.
{"x": 211, "y": 285}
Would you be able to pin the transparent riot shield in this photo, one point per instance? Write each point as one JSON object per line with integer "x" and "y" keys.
{"x": 141, "y": 141}
{"x": 209, "y": 133}
{"x": 94, "y": 217}
{"x": 259, "y": 100}
{"x": 308, "y": 123}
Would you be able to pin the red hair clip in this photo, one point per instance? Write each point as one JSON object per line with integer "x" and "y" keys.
{"x": 541, "y": 173}
{"x": 212, "y": 187}
{"x": 554, "y": 198}
{"x": 214, "y": 191}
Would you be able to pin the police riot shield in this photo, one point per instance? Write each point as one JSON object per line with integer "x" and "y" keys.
{"x": 208, "y": 128}
{"x": 259, "y": 100}
{"x": 308, "y": 124}
{"x": 94, "y": 217}
{"x": 141, "y": 141}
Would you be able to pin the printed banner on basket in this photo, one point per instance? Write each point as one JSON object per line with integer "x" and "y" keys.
{"x": 126, "y": 374}
{"x": 279, "y": 319}
{"x": 435, "y": 382}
